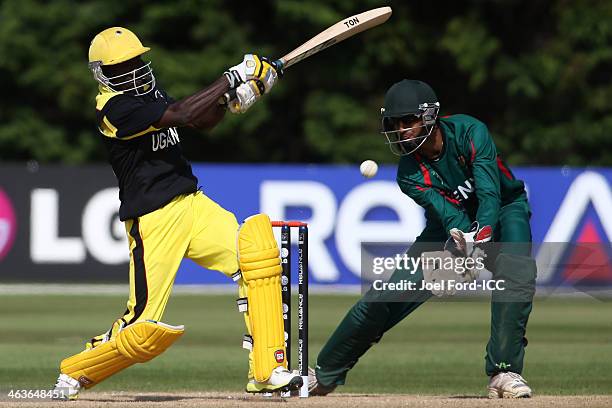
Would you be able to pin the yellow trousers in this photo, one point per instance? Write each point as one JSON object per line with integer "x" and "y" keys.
{"x": 190, "y": 226}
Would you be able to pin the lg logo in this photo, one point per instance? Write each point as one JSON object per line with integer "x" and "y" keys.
{"x": 102, "y": 234}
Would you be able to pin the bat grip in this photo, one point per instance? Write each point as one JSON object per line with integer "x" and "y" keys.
{"x": 279, "y": 66}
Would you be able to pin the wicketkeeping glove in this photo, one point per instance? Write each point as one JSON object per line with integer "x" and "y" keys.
{"x": 466, "y": 243}
{"x": 253, "y": 67}
{"x": 438, "y": 271}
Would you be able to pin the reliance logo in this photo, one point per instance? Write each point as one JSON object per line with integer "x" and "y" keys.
{"x": 8, "y": 224}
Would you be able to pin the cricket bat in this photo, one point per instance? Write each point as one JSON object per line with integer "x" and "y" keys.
{"x": 338, "y": 32}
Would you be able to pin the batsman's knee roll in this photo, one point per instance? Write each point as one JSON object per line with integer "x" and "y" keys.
{"x": 136, "y": 343}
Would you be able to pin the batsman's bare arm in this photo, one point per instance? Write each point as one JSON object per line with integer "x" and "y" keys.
{"x": 200, "y": 110}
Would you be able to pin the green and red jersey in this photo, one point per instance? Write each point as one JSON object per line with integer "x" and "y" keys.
{"x": 468, "y": 182}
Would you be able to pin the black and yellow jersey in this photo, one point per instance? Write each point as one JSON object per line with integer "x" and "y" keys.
{"x": 148, "y": 162}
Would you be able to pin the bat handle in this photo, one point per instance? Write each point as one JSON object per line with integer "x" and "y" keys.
{"x": 279, "y": 65}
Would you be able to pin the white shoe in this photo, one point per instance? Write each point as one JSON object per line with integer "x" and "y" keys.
{"x": 66, "y": 388}
{"x": 281, "y": 380}
{"x": 316, "y": 388}
{"x": 508, "y": 385}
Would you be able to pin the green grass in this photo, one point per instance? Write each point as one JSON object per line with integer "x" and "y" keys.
{"x": 438, "y": 350}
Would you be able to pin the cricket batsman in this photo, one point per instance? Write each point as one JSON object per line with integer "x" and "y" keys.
{"x": 451, "y": 168}
{"x": 167, "y": 218}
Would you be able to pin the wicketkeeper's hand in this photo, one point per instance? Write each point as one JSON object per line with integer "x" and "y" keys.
{"x": 459, "y": 245}
{"x": 465, "y": 244}
{"x": 439, "y": 270}
{"x": 253, "y": 67}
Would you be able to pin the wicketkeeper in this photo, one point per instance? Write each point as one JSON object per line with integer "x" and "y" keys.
{"x": 167, "y": 218}
{"x": 451, "y": 168}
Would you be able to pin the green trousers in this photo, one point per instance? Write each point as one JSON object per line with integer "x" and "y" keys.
{"x": 376, "y": 312}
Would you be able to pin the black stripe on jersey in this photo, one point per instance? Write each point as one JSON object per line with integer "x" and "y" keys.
{"x": 140, "y": 273}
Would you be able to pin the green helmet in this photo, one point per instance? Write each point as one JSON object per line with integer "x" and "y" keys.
{"x": 406, "y": 102}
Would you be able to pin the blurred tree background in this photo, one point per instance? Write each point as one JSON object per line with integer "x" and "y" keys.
{"x": 537, "y": 72}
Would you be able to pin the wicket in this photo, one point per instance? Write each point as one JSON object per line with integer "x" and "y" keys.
{"x": 302, "y": 277}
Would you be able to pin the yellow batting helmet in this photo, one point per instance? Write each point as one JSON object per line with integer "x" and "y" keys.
{"x": 115, "y": 45}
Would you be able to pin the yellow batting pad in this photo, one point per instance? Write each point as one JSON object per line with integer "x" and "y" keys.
{"x": 259, "y": 260}
{"x": 91, "y": 367}
{"x": 136, "y": 343}
{"x": 144, "y": 340}
{"x": 258, "y": 253}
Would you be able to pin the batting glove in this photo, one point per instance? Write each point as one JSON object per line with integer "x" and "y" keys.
{"x": 253, "y": 67}
{"x": 244, "y": 96}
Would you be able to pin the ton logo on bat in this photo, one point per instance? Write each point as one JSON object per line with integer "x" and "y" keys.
{"x": 352, "y": 22}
